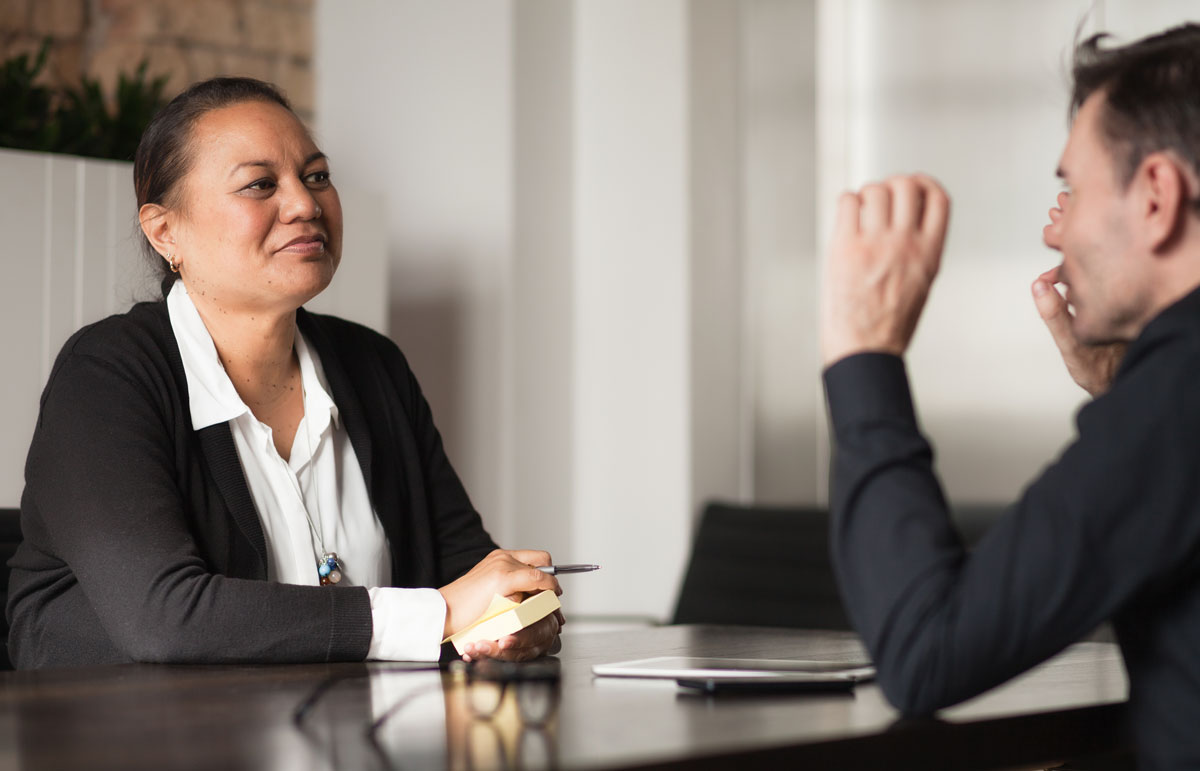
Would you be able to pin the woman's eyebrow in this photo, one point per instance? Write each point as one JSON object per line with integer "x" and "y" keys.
{"x": 243, "y": 164}
{"x": 269, "y": 165}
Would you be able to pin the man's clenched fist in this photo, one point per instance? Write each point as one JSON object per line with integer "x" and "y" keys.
{"x": 887, "y": 246}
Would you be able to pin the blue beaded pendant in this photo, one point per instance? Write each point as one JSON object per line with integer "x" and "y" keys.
{"x": 329, "y": 569}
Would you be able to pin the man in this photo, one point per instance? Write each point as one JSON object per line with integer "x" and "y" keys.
{"x": 1111, "y": 530}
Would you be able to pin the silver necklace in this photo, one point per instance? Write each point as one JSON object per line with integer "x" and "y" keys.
{"x": 329, "y": 565}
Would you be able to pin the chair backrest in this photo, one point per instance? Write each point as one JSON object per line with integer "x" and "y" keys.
{"x": 770, "y": 566}
{"x": 761, "y": 566}
{"x": 10, "y": 538}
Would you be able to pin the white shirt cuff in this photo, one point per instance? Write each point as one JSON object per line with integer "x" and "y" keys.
{"x": 406, "y": 624}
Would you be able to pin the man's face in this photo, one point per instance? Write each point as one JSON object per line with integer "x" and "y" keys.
{"x": 1107, "y": 287}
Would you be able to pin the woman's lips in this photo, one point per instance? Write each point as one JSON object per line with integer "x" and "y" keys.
{"x": 306, "y": 245}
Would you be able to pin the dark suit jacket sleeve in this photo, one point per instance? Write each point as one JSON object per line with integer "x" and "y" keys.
{"x": 103, "y": 495}
{"x": 1114, "y": 517}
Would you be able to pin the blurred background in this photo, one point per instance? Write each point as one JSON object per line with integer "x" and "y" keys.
{"x": 596, "y": 227}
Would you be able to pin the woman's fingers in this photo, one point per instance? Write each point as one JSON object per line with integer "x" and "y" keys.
{"x": 506, "y": 573}
{"x": 531, "y": 556}
{"x": 524, "y": 579}
{"x": 533, "y": 641}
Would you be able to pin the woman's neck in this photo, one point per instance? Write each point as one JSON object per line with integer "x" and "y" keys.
{"x": 257, "y": 351}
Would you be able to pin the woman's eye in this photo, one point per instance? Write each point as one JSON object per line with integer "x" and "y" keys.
{"x": 261, "y": 184}
{"x": 319, "y": 178}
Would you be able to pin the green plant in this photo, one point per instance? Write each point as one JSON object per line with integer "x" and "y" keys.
{"x": 25, "y": 106}
{"x": 75, "y": 120}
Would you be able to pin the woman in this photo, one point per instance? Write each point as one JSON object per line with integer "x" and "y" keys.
{"x": 223, "y": 477}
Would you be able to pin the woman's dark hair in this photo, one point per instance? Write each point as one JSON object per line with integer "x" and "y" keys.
{"x": 164, "y": 153}
{"x": 1151, "y": 95}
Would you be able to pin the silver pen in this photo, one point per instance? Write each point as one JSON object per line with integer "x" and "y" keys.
{"x": 555, "y": 570}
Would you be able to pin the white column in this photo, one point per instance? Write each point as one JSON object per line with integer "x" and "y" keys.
{"x": 627, "y": 287}
{"x": 720, "y": 447}
{"x": 781, "y": 368}
{"x": 631, "y": 316}
{"x": 541, "y": 453}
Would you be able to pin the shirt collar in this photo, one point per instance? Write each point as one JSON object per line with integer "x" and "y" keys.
{"x": 211, "y": 395}
{"x": 316, "y": 388}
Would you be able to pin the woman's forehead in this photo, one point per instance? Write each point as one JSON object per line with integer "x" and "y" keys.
{"x": 251, "y": 131}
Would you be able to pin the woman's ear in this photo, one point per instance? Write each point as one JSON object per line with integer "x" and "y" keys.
{"x": 157, "y": 226}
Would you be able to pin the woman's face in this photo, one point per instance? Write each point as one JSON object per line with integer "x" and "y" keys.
{"x": 258, "y": 228}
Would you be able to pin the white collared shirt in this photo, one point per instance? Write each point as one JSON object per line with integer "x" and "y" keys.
{"x": 314, "y": 502}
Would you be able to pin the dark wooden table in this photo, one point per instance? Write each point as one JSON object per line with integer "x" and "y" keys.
{"x": 230, "y": 717}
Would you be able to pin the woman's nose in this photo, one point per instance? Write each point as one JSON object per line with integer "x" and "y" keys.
{"x": 298, "y": 204}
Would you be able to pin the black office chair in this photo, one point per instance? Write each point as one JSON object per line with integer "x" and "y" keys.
{"x": 10, "y": 538}
{"x": 770, "y": 566}
{"x": 761, "y": 566}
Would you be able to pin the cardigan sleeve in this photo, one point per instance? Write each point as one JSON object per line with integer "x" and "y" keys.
{"x": 103, "y": 507}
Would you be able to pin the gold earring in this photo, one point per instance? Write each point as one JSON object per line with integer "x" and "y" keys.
{"x": 174, "y": 265}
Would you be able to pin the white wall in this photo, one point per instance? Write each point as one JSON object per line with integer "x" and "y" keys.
{"x": 976, "y": 94}
{"x": 68, "y": 227}
{"x": 605, "y": 221}
{"x": 559, "y": 279}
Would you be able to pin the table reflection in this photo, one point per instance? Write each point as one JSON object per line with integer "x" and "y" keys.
{"x": 503, "y": 716}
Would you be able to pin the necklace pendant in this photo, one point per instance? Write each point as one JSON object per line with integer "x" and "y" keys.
{"x": 329, "y": 569}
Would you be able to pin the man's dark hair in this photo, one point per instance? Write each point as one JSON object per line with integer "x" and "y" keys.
{"x": 1152, "y": 95}
{"x": 164, "y": 153}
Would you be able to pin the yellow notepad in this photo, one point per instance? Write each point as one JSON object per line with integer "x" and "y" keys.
{"x": 505, "y": 617}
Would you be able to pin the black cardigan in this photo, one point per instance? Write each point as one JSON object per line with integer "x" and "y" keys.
{"x": 142, "y": 542}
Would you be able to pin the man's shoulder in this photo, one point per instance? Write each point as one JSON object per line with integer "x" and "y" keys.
{"x": 1158, "y": 382}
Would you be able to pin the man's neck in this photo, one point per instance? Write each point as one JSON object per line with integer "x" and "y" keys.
{"x": 1179, "y": 268}
{"x": 1176, "y": 276}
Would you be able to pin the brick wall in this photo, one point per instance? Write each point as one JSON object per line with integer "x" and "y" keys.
{"x": 188, "y": 40}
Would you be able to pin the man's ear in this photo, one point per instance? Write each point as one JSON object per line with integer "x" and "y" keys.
{"x": 157, "y": 227}
{"x": 1167, "y": 190}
